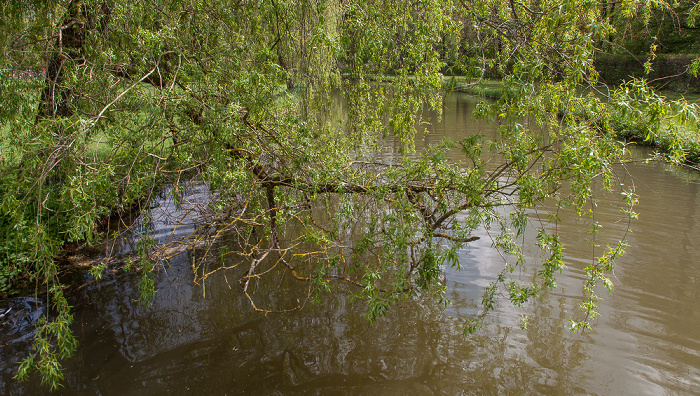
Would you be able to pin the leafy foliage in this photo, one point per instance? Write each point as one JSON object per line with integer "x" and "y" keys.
{"x": 240, "y": 96}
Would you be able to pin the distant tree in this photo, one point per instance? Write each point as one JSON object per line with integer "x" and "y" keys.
{"x": 667, "y": 27}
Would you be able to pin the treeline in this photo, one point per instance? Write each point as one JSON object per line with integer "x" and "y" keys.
{"x": 662, "y": 45}
{"x": 659, "y": 42}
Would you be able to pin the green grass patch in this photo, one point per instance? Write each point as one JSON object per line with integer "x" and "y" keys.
{"x": 486, "y": 88}
{"x": 672, "y": 140}
{"x": 689, "y": 97}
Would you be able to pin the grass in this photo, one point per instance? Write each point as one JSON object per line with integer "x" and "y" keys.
{"x": 486, "y": 88}
{"x": 672, "y": 139}
{"x": 689, "y": 97}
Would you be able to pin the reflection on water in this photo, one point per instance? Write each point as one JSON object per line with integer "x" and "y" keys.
{"x": 208, "y": 340}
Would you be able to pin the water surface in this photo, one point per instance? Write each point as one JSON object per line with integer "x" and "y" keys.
{"x": 208, "y": 340}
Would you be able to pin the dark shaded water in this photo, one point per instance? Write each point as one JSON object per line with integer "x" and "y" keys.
{"x": 207, "y": 340}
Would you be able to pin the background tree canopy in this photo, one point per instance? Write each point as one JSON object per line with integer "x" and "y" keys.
{"x": 104, "y": 103}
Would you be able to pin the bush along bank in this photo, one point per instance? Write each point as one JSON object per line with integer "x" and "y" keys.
{"x": 670, "y": 126}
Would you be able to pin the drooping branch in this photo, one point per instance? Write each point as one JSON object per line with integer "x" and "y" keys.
{"x": 71, "y": 36}
{"x": 272, "y": 209}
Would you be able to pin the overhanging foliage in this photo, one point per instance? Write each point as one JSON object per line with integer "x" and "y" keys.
{"x": 239, "y": 95}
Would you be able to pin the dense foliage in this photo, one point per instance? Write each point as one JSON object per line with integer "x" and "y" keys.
{"x": 239, "y": 95}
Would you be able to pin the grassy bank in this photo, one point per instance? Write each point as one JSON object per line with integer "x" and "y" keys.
{"x": 672, "y": 140}
{"x": 492, "y": 89}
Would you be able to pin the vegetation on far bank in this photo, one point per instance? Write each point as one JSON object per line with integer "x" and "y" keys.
{"x": 678, "y": 142}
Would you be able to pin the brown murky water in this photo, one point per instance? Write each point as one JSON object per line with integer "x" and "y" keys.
{"x": 208, "y": 341}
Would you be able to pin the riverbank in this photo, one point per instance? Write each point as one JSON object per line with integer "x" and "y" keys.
{"x": 491, "y": 89}
{"x": 674, "y": 142}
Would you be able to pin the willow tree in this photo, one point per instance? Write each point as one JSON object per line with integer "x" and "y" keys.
{"x": 137, "y": 96}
